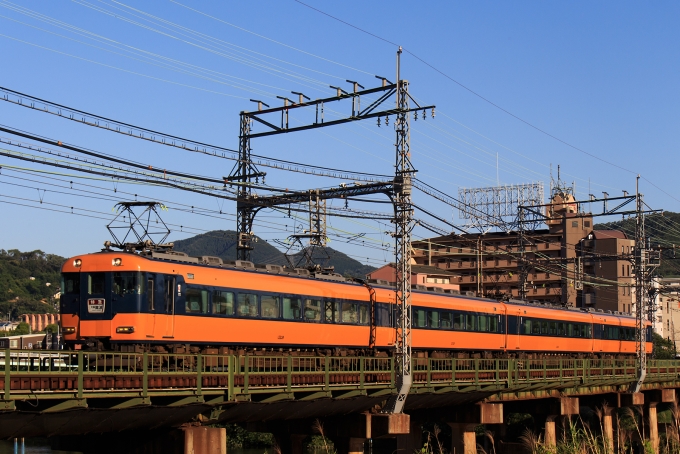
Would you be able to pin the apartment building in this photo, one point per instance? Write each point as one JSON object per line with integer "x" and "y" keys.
{"x": 608, "y": 280}
{"x": 487, "y": 264}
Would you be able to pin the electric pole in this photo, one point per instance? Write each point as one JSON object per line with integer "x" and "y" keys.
{"x": 403, "y": 211}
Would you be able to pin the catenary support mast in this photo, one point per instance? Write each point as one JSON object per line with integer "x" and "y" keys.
{"x": 641, "y": 294}
{"x": 275, "y": 121}
{"x": 403, "y": 226}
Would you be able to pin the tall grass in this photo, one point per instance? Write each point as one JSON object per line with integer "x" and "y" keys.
{"x": 578, "y": 437}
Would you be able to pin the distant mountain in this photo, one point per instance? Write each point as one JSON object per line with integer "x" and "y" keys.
{"x": 663, "y": 230}
{"x": 222, "y": 244}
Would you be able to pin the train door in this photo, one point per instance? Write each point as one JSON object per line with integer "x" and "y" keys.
{"x": 597, "y": 334}
{"x": 163, "y": 313}
{"x": 151, "y": 304}
{"x": 95, "y": 305}
{"x": 170, "y": 291}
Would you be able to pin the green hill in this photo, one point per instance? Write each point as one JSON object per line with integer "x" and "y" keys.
{"x": 663, "y": 230}
{"x": 222, "y": 244}
{"x": 23, "y": 282}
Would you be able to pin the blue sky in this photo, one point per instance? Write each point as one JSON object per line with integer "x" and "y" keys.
{"x": 601, "y": 76}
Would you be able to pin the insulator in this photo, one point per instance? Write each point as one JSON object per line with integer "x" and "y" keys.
{"x": 424, "y": 115}
{"x": 387, "y": 120}
{"x": 433, "y": 112}
{"x": 415, "y": 116}
{"x": 378, "y": 121}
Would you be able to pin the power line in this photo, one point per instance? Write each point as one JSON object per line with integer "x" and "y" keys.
{"x": 531, "y": 125}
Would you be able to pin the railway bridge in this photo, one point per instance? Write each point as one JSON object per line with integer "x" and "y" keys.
{"x": 70, "y": 395}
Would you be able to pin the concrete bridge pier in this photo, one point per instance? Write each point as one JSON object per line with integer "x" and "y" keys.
{"x": 559, "y": 408}
{"x": 608, "y": 429}
{"x": 463, "y": 436}
{"x": 205, "y": 440}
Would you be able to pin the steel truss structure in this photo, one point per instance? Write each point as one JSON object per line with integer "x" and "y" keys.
{"x": 307, "y": 255}
{"x": 479, "y": 206}
{"x": 275, "y": 121}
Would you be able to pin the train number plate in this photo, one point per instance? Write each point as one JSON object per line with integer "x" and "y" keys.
{"x": 96, "y": 305}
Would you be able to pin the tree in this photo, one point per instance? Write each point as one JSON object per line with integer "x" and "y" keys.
{"x": 23, "y": 328}
{"x": 52, "y": 328}
{"x": 663, "y": 348}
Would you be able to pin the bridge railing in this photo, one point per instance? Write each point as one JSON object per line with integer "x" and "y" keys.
{"x": 48, "y": 372}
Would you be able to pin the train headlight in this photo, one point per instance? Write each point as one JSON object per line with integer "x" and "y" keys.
{"x": 77, "y": 263}
{"x": 125, "y": 329}
{"x": 68, "y": 330}
{"x": 117, "y": 261}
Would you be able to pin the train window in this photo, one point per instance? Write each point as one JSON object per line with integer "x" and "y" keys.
{"x": 269, "y": 306}
{"x": 493, "y": 323}
{"x": 446, "y": 320}
{"x": 95, "y": 283}
{"x": 552, "y": 328}
{"x": 313, "y": 310}
{"x": 223, "y": 303}
{"x": 150, "y": 294}
{"x": 169, "y": 295}
{"x": 433, "y": 319}
{"x": 127, "y": 283}
{"x": 458, "y": 321}
{"x": 544, "y": 327}
{"x": 247, "y": 305}
{"x": 535, "y": 327}
{"x": 331, "y": 311}
{"x": 525, "y": 326}
{"x": 350, "y": 313}
{"x": 612, "y": 332}
{"x": 196, "y": 301}
{"x": 419, "y": 318}
{"x": 363, "y": 314}
{"x": 469, "y": 322}
{"x": 292, "y": 308}
{"x": 561, "y": 329}
{"x": 482, "y": 323}
{"x": 70, "y": 283}
{"x": 383, "y": 314}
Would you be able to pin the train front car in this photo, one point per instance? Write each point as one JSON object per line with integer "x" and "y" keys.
{"x": 102, "y": 299}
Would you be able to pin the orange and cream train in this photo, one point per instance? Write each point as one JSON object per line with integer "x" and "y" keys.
{"x": 172, "y": 302}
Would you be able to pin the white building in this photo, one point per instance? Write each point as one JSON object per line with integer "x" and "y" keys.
{"x": 669, "y": 305}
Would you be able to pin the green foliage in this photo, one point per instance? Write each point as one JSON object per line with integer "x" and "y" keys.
{"x": 663, "y": 348}
{"x": 222, "y": 244}
{"x": 23, "y": 328}
{"x": 320, "y": 445}
{"x": 238, "y": 437}
{"x": 52, "y": 328}
{"x": 19, "y": 294}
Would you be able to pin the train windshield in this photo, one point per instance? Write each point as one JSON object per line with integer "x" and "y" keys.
{"x": 70, "y": 283}
{"x": 95, "y": 283}
{"x": 128, "y": 283}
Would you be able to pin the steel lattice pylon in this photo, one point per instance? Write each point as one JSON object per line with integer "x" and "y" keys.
{"x": 244, "y": 210}
{"x": 403, "y": 226}
{"x": 641, "y": 293}
{"x": 399, "y": 189}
